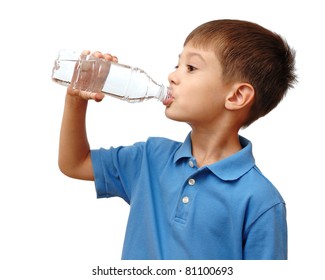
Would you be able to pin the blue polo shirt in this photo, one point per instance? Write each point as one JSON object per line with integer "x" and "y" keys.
{"x": 226, "y": 210}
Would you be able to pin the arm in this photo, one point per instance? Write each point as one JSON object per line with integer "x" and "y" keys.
{"x": 74, "y": 149}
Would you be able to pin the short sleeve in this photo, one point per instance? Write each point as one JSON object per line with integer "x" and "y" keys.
{"x": 114, "y": 168}
{"x": 266, "y": 239}
{"x": 107, "y": 181}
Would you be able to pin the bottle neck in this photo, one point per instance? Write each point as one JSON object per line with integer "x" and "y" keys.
{"x": 163, "y": 93}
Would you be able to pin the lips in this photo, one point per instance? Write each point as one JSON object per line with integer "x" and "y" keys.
{"x": 169, "y": 100}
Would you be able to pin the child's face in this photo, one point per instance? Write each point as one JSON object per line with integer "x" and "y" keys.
{"x": 197, "y": 89}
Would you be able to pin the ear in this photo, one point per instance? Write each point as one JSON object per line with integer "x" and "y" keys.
{"x": 240, "y": 97}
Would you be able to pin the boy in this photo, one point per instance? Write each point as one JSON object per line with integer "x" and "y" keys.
{"x": 204, "y": 198}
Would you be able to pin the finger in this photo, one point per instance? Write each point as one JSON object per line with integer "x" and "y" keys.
{"x": 87, "y": 95}
{"x": 97, "y": 96}
{"x": 108, "y": 56}
{"x": 82, "y": 94}
{"x": 97, "y": 54}
{"x": 85, "y": 52}
{"x": 72, "y": 91}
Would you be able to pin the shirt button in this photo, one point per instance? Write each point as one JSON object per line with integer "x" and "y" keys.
{"x": 185, "y": 199}
{"x": 191, "y": 182}
{"x": 191, "y": 163}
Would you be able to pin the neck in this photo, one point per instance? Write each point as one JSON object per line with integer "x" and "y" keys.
{"x": 211, "y": 146}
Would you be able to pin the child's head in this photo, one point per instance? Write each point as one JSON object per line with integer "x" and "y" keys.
{"x": 249, "y": 53}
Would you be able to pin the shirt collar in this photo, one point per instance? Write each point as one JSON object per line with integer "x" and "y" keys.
{"x": 228, "y": 169}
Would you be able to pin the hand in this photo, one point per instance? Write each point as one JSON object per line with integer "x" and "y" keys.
{"x": 90, "y": 75}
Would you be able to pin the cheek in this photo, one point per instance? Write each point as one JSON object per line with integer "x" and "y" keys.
{"x": 209, "y": 103}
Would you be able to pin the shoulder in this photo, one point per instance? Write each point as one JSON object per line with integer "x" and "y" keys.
{"x": 162, "y": 143}
{"x": 263, "y": 187}
{"x": 161, "y": 147}
{"x": 153, "y": 146}
{"x": 261, "y": 196}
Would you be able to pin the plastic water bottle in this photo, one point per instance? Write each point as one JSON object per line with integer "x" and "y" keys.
{"x": 92, "y": 74}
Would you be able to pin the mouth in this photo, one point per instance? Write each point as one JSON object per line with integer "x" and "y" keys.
{"x": 169, "y": 99}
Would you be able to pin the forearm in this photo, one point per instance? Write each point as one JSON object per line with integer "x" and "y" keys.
{"x": 74, "y": 149}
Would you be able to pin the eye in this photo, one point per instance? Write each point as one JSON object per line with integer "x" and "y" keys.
{"x": 190, "y": 68}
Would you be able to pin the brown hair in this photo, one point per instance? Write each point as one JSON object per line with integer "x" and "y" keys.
{"x": 250, "y": 53}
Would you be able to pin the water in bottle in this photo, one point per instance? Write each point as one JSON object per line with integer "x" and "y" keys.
{"x": 89, "y": 73}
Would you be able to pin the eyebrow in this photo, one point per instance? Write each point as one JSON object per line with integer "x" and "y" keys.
{"x": 191, "y": 54}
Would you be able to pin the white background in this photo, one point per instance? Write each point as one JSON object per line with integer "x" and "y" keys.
{"x": 53, "y": 227}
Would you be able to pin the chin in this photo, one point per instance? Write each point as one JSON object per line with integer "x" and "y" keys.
{"x": 175, "y": 116}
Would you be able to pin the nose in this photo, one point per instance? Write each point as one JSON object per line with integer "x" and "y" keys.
{"x": 172, "y": 78}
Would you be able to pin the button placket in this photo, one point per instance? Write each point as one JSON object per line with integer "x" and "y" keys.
{"x": 186, "y": 200}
